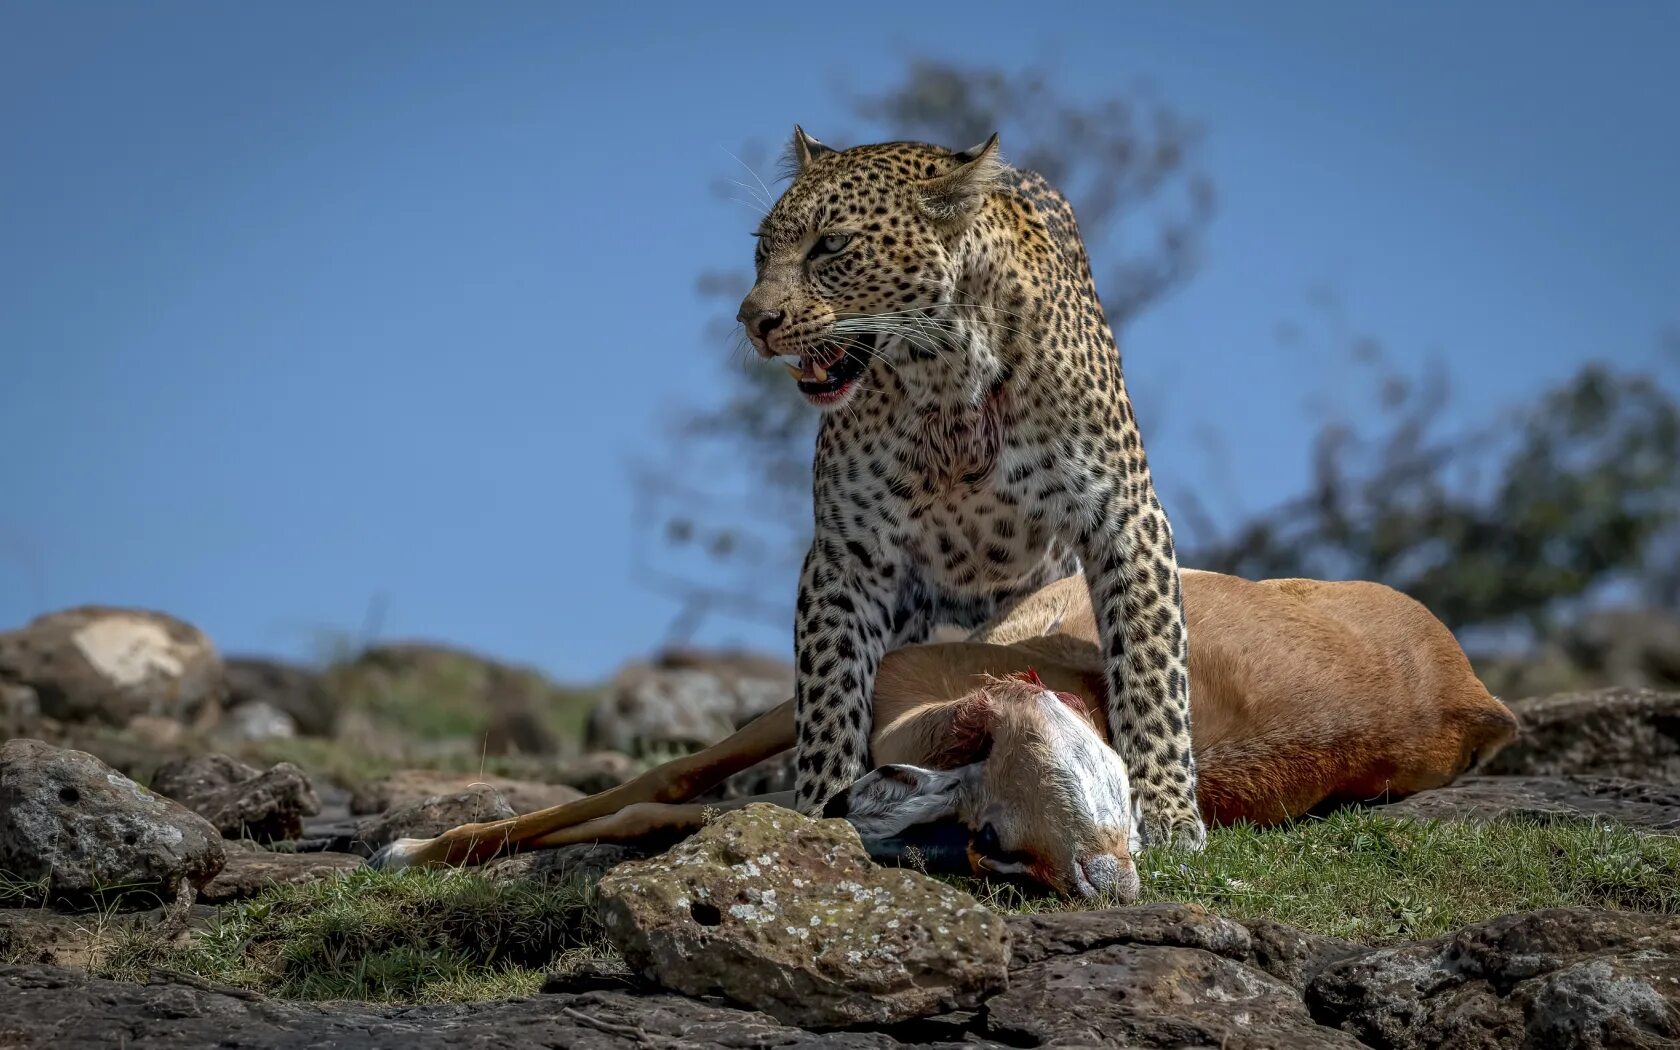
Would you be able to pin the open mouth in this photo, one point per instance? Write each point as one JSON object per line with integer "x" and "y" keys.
{"x": 828, "y": 373}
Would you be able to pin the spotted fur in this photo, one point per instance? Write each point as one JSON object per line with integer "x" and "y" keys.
{"x": 985, "y": 447}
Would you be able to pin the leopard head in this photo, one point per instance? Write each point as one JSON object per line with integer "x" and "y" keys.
{"x": 857, "y": 261}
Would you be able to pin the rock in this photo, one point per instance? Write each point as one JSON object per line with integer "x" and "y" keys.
{"x": 683, "y": 702}
{"x": 1153, "y": 996}
{"x": 1632, "y": 733}
{"x": 431, "y": 816}
{"x": 298, "y": 691}
{"x": 586, "y": 862}
{"x": 256, "y": 722}
{"x": 250, "y": 871}
{"x": 85, "y": 829}
{"x": 597, "y": 771}
{"x": 1640, "y": 805}
{"x": 786, "y": 914}
{"x": 412, "y": 785}
{"x": 1562, "y": 977}
{"x": 52, "y": 1007}
{"x": 107, "y": 664}
{"x": 238, "y": 799}
{"x": 20, "y": 710}
{"x": 1036, "y": 937}
{"x": 1293, "y": 956}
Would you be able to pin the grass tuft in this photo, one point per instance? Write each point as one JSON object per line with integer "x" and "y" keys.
{"x": 1376, "y": 879}
{"x": 413, "y": 936}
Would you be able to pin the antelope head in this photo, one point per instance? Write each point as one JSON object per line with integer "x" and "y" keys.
{"x": 1033, "y": 789}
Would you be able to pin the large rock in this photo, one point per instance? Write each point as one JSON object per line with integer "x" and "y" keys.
{"x": 409, "y": 786}
{"x": 1635, "y": 803}
{"x": 787, "y": 915}
{"x": 1153, "y": 996}
{"x": 82, "y": 828}
{"x": 298, "y": 691}
{"x": 1562, "y": 978}
{"x": 1632, "y": 733}
{"x": 109, "y": 665}
{"x": 241, "y": 801}
{"x": 1036, "y": 937}
{"x": 426, "y": 817}
{"x": 51, "y": 1007}
{"x": 684, "y": 701}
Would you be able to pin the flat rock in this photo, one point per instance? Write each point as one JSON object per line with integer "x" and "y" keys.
{"x": 74, "y": 823}
{"x": 1153, "y": 996}
{"x": 409, "y": 786}
{"x": 241, "y": 801}
{"x": 54, "y": 1007}
{"x": 1293, "y": 956}
{"x": 1635, "y": 803}
{"x": 1632, "y": 733}
{"x": 97, "y": 663}
{"x": 785, "y": 914}
{"x": 1559, "y": 978}
{"x": 585, "y": 862}
{"x": 250, "y": 871}
{"x": 1035, "y": 938}
{"x": 430, "y": 816}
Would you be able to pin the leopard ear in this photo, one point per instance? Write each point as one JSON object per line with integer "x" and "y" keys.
{"x": 806, "y": 149}
{"x": 955, "y": 193}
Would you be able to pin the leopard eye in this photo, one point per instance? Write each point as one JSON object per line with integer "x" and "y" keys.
{"x": 830, "y": 243}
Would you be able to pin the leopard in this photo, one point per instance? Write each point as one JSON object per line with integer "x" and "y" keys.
{"x": 975, "y": 442}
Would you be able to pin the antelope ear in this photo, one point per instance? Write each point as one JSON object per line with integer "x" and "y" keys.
{"x": 805, "y": 148}
{"x": 955, "y": 193}
{"x": 889, "y": 799}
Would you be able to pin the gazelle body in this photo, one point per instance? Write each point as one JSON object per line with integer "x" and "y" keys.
{"x": 1305, "y": 693}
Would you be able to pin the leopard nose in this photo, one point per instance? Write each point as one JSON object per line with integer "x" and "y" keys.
{"x": 760, "y": 322}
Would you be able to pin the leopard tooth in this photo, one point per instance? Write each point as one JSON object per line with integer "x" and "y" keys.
{"x": 794, "y": 371}
{"x": 820, "y": 372}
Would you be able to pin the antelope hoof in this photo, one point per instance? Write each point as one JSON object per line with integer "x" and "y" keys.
{"x": 396, "y": 856}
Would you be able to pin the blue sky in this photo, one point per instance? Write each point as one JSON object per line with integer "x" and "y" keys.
{"x": 302, "y": 304}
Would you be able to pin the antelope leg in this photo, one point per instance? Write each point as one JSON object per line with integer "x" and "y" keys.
{"x": 640, "y": 820}
{"x": 678, "y": 780}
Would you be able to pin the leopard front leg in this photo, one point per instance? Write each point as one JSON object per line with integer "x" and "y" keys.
{"x": 840, "y": 634}
{"x": 1138, "y": 600}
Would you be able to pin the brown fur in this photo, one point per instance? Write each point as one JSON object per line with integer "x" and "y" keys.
{"x": 1305, "y": 693}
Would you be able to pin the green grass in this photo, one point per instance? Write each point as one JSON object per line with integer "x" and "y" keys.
{"x": 426, "y": 936}
{"x": 414, "y": 936}
{"x": 1372, "y": 878}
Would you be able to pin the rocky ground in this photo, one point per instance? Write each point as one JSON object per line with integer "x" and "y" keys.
{"x": 181, "y": 838}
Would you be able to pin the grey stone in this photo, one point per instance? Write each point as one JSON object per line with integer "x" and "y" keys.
{"x": 409, "y": 786}
{"x": 1562, "y": 977}
{"x": 74, "y": 823}
{"x": 1632, "y": 733}
{"x": 241, "y": 801}
{"x": 786, "y": 914}
{"x": 1634, "y": 803}
{"x": 430, "y": 816}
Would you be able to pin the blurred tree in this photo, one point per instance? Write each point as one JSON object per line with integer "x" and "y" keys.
{"x": 1517, "y": 523}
